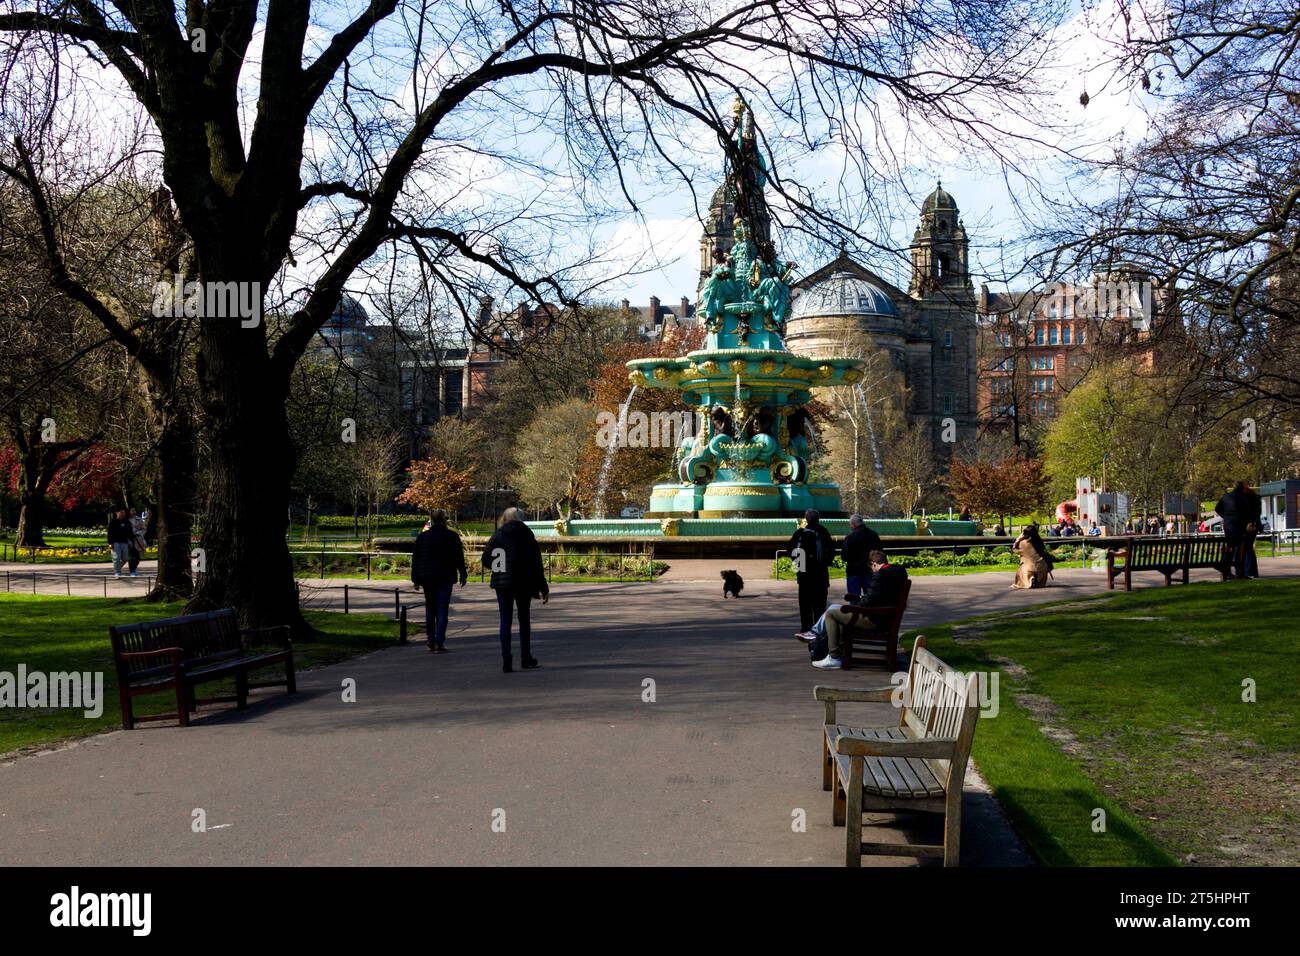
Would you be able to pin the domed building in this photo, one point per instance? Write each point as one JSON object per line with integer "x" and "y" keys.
{"x": 928, "y": 331}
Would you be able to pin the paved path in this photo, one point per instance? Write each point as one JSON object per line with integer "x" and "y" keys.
{"x": 586, "y": 772}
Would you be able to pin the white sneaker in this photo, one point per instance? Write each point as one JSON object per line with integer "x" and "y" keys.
{"x": 135, "y": 574}
{"x": 118, "y": 576}
{"x": 828, "y": 664}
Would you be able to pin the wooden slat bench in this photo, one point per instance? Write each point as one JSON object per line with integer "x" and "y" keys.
{"x": 863, "y": 642}
{"x": 917, "y": 765}
{"x": 1169, "y": 556}
{"x": 182, "y": 652}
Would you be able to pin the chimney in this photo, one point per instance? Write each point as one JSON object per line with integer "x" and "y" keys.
{"x": 627, "y": 306}
{"x": 654, "y": 311}
{"x": 685, "y": 312}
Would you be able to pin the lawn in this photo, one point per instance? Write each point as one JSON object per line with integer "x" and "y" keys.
{"x": 1133, "y": 703}
{"x": 71, "y": 634}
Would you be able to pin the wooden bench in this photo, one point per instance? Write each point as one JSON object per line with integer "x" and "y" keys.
{"x": 866, "y": 642}
{"x": 917, "y": 765}
{"x": 182, "y": 652}
{"x": 1169, "y": 556}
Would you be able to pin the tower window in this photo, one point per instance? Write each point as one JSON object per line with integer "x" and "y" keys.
{"x": 947, "y": 339}
{"x": 947, "y": 404}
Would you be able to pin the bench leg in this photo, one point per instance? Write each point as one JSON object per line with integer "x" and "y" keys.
{"x": 1128, "y": 579}
{"x": 837, "y": 802}
{"x": 853, "y": 832}
{"x": 290, "y": 676}
{"x": 891, "y": 652}
{"x": 184, "y": 702}
{"x": 1187, "y": 574}
{"x": 128, "y": 718}
{"x": 828, "y": 767}
{"x": 952, "y": 827}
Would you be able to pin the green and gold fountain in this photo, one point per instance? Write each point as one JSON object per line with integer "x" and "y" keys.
{"x": 754, "y": 451}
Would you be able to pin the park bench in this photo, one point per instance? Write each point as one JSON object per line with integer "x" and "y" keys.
{"x": 182, "y": 652}
{"x": 1169, "y": 556}
{"x": 867, "y": 642}
{"x": 917, "y": 765}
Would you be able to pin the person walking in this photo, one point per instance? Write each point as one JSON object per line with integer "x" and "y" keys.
{"x": 137, "y": 545}
{"x": 120, "y": 534}
{"x": 858, "y": 545}
{"x": 1237, "y": 511}
{"x": 437, "y": 562}
{"x": 812, "y": 549}
{"x": 515, "y": 561}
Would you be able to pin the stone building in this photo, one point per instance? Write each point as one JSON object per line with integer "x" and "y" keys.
{"x": 928, "y": 331}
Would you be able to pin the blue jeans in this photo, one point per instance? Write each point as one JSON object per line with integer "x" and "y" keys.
{"x": 856, "y": 584}
{"x": 507, "y": 601}
{"x": 437, "y": 601}
{"x": 121, "y": 555}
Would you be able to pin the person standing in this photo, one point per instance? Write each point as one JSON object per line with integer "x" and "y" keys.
{"x": 437, "y": 562}
{"x": 1254, "y": 520}
{"x": 137, "y": 545}
{"x": 120, "y": 534}
{"x": 859, "y": 543}
{"x": 515, "y": 561}
{"x": 812, "y": 549}
{"x": 1237, "y": 511}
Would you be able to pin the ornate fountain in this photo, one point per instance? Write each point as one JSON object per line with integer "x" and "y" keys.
{"x": 754, "y": 450}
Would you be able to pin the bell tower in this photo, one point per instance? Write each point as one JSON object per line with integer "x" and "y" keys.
{"x": 940, "y": 251}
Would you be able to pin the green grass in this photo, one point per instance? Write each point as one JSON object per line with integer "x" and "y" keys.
{"x": 1141, "y": 697}
{"x": 71, "y": 634}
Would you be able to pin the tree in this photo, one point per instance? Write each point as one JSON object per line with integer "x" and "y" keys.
{"x": 1015, "y": 485}
{"x": 862, "y": 416}
{"x": 550, "y": 456}
{"x": 435, "y": 484}
{"x": 605, "y": 87}
{"x": 909, "y": 465}
{"x": 1207, "y": 202}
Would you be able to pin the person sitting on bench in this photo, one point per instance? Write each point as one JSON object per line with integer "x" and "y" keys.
{"x": 884, "y": 590}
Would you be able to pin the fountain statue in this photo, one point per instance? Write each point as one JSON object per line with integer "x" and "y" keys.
{"x": 754, "y": 451}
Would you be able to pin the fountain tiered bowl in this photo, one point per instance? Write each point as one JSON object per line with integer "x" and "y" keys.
{"x": 755, "y": 472}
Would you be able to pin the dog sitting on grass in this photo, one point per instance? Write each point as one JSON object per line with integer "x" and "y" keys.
{"x": 732, "y": 583}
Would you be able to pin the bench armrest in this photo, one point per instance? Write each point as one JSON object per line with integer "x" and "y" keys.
{"x": 279, "y": 633}
{"x": 939, "y": 747}
{"x": 878, "y": 695}
{"x": 830, "y": 696}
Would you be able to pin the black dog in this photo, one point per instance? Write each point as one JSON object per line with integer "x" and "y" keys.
{"x": 732, "y": 583}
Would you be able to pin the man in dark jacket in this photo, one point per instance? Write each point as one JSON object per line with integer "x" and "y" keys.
{"x": 885, "y": 590}
{"x": 859, "y": 543}
{"x": 437, "y": 562}
{"x": 514, "y": 558}
{"x": 120, "y": 536}
{"x": 812, "y": 549}
{"x": 1240, "y": 513}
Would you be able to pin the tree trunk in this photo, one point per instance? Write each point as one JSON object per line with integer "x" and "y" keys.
{"x": 176, "y": 494}
{"x": 248, "y": 565}
{"x": 31, "y": 519}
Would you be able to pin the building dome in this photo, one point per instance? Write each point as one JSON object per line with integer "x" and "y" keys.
{"x": 842, "y": 294}
{"x": 938, "y": 201}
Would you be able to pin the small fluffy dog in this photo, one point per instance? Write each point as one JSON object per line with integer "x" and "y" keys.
{"x": 732, "y": 583}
